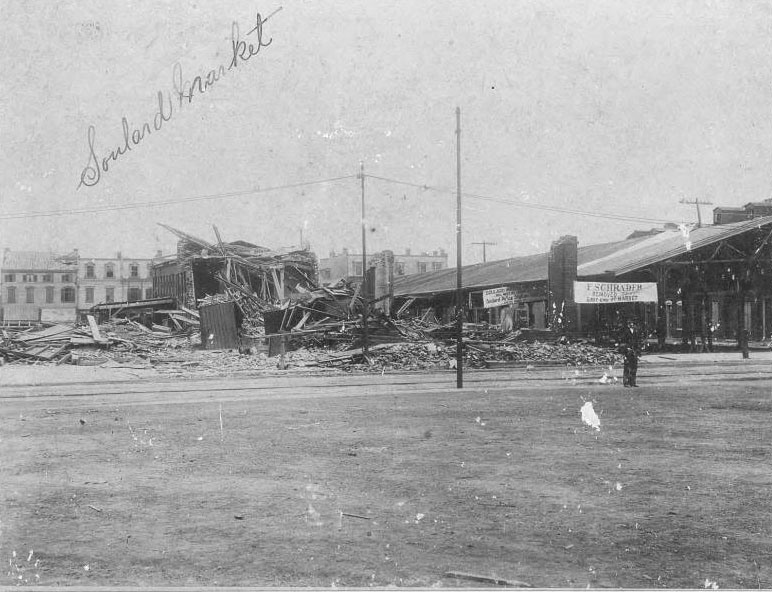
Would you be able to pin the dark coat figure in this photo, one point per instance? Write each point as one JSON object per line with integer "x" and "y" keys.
{"x": 630, "y": 341}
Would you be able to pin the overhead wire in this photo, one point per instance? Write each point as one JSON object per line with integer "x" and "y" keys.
{"x": 259, "y": 190}
{"x": 152, "y": 204}
{"x": 524, "y": 204}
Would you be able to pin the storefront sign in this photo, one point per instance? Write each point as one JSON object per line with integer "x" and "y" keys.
{"x": 614, "y": 292}
{"x": 498, "y": 297}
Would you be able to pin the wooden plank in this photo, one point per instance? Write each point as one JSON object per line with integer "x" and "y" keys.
{"x": 302, "y": 321}
{"x": 140, "y": 326}
{"x": 51, "y": 353}
{"x": 46, "y": 333}
{"x": 192, "y": 313}
{"x": 94, "y": 328}
{"x": 176, "y": 323}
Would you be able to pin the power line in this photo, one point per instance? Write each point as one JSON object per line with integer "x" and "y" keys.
{"x": 525, "y": 204}
{"x": 154, "y": 204}
{"x": 257, "y": 190}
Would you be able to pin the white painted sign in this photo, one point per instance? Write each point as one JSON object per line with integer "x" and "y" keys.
{"x": 614, "y": 292}
{"x": 498, "y": 297}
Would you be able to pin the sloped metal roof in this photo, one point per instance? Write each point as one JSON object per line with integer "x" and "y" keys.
{"x": 34, "y": 261}
{"x": 666, "y": 245}
{"x": 515, "y": 270}
{"x": 593, "y": 260}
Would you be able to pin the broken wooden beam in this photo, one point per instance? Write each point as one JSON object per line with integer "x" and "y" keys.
{"x": 94, "y": 328}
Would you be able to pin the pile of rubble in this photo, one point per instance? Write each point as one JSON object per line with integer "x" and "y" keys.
{"x": 117, "y": 339}
{"x": 394, "y": 346}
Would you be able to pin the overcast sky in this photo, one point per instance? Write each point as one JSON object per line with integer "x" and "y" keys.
{"x": 598, "y": 106}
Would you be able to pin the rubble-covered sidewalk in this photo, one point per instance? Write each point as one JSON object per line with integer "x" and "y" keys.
{"x": 126, "y": 343}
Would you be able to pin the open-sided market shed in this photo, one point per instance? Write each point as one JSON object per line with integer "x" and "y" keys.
{"x": 712, "y": 281}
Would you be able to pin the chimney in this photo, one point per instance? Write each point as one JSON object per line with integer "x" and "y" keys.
{"x": 118, "y": 255}
{"x": 407, "y": 252}
{"x": 345, "y": 250}
{"x": 159, "y": 254}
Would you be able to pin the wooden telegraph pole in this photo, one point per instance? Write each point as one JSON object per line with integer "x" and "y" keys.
{"x": 484, "y": 244}
{"x": 698, "y": 203}
{"x": 459, "y": 290}
{"x": 363, "y": 288}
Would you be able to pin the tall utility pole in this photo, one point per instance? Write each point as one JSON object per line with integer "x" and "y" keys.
{"x": 459, "y": 290}
{"x": 363, "y": 288}
{"x": 698, "y": 203}
{"x": 484, "y": 243}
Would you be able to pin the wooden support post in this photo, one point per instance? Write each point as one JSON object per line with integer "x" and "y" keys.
{"x": 662, "y": 320}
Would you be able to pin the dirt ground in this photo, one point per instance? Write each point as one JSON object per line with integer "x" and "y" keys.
{"x": 392, "y": 488}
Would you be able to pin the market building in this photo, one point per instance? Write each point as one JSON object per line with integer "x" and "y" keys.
{"x": 712, "y": 282}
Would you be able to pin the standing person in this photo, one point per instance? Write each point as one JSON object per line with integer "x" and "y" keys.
{"x": 631, "y": 344}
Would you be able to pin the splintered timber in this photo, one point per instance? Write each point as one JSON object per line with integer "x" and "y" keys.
{"x": 184, "y": 91}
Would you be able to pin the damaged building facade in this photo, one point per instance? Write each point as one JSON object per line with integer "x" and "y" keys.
{"x": 242, "y": 270}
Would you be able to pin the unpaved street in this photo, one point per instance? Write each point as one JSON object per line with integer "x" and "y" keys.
{"x": 391, "y": 479}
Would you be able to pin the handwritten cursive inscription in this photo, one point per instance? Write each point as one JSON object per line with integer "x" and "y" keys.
{"x": 184, "y": 91}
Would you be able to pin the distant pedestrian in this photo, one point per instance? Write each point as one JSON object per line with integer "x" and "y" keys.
{"x": 631, "y": 349}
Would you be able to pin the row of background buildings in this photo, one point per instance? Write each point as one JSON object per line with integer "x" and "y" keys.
{"x": 47, "y": 287}
{"x": 713, "y": 280}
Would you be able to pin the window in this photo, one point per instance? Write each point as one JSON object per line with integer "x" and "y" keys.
{"x": 68, "y": 294}
{"x": 135, "y": 294}
{"x": 90, "y": 271}
{"x": 49, "y": 294}
{"x": 422, "y": 268}
{"x": 11, "y": 294}
{"x": 29, "y": 277}
{"x": 134, "y": 271}
{"x": 357, "y": 268}
{"x": 436, "y": 266}
{"x": 109, "y": 294}
{"x": 48, "y": 277}
{"x": 89, "y": 295}
{"x": 109, "y": 270}
{"x": 30, "y": 295}
{"x": 148, "y": 293}
{"x": 66, "y": 278}
{"x": 10, "y": 277}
